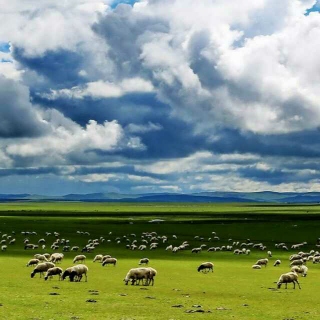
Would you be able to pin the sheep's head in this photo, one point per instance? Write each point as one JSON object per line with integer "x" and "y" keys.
{"x": 279, "y": 283}
{"x": 199, "y": 269}
{"x": 126, "y": 280}
{"x": 65, "y": 274}
{"x": 72, "y": 275}
{"x": 46, "y": 278}
{"x": 33, "y": 274}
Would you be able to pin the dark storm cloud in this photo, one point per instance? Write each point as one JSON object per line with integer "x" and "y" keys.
{"x": 289, "y": 145}
{"x": 60, "y": 68}
{"x": 18, "y": 119}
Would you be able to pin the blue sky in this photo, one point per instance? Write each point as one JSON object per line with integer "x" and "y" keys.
{"x": 159, "y": 96}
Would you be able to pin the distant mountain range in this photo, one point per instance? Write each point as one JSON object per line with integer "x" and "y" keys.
{"x": 217, "y": 197}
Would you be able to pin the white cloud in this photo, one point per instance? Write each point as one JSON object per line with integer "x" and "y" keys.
{"x": 101, "y": 89}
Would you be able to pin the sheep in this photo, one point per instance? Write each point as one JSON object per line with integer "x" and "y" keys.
{"x": 262, "y": 262}
{"x": 105, "y": 257}
{"x": 296, "y": 263}
{"x": 76, "y": 272}
{"x": 196, "y": 250}
{"x": 269, "y": 254}
{"x": 56, "y": 257}
{"x": 256, "y": 266}
{"x": 41, "y": 268}
{"x": 33, "y": 262}
{"x": 98, "y": 257}
{"x": 79, "y": 258}
{"x": 144, "y": 261}
{"x": 137, "y": 274}
{"x": 316, "y": 259}
{"x": 205, "y": 267}
{"x": 277, "y": 263}
{"x": 300, "y": 269}
{"x": 109, "y": 261}
{"x": 52, "y": 272}
{"x": 75, "y": 248}
{"x": 153, "y": 273}
{"x": 40, "y": 257}
{"x": 4, "y": 248}
{"x": 288, "y": 278}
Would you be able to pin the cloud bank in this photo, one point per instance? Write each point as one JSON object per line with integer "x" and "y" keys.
{"x": 174, "y": 95}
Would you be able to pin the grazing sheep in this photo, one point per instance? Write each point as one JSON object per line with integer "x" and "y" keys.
{"x": 80, "y": 258}
{"x": 109, "y": 261}
{"x": 33, "y": 262}
{"x": 4, "y": 248}
{"x": 105, "y": 257}
{"x": 144, "y": 261}
{"x": 262, "y": 262}
{"x": 269, "y": 254}
{"x": 137, "y": 274}
{"x": 98, "y": 257}
{"x": 41, "y": 268}
{"x": 53, "y": 272}
{"x": 300, "y": 269}
{"x": 205, "y": 267}
{"x": 288, "y": 278}
{"x": 296, "y": 263}
{"x": 256, "y": 266}
{"x": 316, "y": 259}
{"x": 196, "y": 250}
{"x": 40, "y": 257}
{"x": 153, "y": 273}
{"x": 75, "y": 248}
{"x": 277, "y": 263}
{"x": 56, "y": 257}
{"x": 75, "y": 273}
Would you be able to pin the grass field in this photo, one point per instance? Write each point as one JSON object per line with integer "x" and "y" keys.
{"x": 232, "y": 291}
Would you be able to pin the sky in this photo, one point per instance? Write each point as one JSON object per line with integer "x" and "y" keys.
{"x": 159, "y": 96}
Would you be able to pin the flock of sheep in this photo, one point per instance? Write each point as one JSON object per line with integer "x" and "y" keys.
{"x": 45, "y": 264}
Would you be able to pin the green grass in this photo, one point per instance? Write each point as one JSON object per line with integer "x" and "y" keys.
{"x": 244, "y": 292}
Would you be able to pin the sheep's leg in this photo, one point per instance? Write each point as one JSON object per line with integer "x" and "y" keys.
{"x": 294, "y": 284}
{"x": 286, "y": 285}
{"x": 298, "y": 284}
{"x": 86, "y": 277}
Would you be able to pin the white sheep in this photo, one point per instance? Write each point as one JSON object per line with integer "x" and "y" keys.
{"x": 144, "y": 261}
{"x": 76, "y": 272}
{"x": 196, "y": 250}
{"x": 79, "y": 258}
{"x": 4, "y": 248}
{"x": 98, "y": 257}
{"x": 256, "y": 266}
{"x": 153, "y": 273}
{"x": 262, "y": 262}
{"x": 296, "y": 263}
{"x": 109, "y": 261}
{"x": 53, "y": 272}
{"x": 269, "y": 254}
{"x": 33, "y": 262}
{"x": 40, "y": 257}
{"x": 56, "y": 257}
{"x": 277, "y": 263}
{"x": 290, "y": 277}
{"x": 41, "y": 268}
{"x": 137, "y": 274}
{"x": 300, "y": 269}
{"x": 205, "y": 267}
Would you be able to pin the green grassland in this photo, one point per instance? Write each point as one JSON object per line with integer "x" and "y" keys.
{"x": 232, "y": 291}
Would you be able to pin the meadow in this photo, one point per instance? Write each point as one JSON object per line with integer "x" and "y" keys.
{"x": 232, "y": 291}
